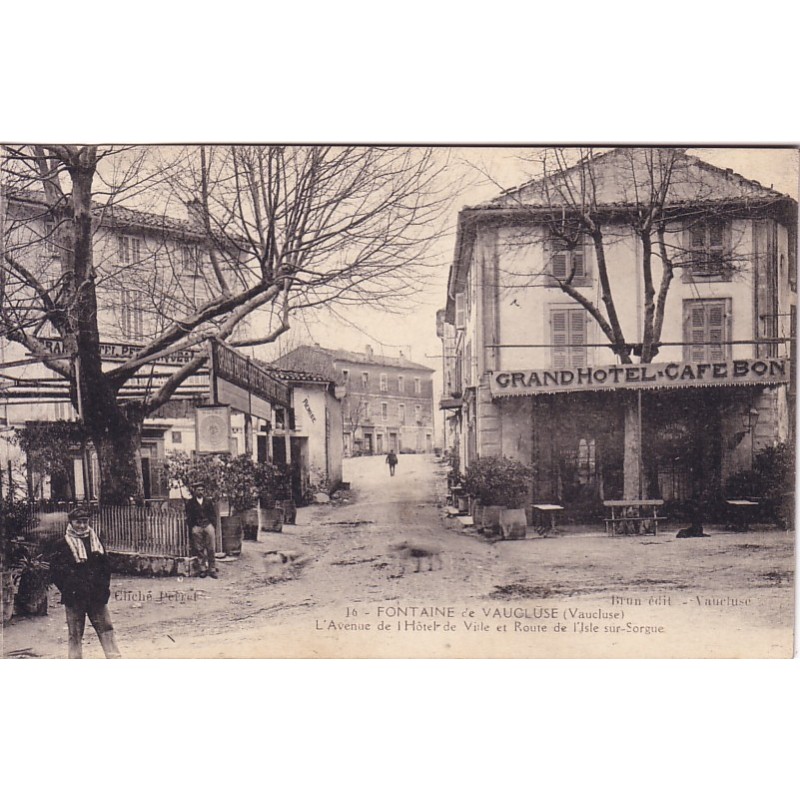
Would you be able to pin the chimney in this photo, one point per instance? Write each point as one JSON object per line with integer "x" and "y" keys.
{"x": 368, "y": 350}
{"x": 194, "y": 209}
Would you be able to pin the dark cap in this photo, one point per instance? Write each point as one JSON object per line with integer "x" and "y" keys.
{"x": 80, "y": 512}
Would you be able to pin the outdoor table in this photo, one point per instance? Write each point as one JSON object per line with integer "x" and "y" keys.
{"x": 644, "y": 521}
{"x": 547, "y": 509}
{"x": 742, "y": 510}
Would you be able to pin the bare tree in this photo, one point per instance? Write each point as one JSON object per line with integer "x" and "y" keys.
{"x": 281, "y": 228}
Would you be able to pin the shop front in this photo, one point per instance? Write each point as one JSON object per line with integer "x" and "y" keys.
{"x": 698, "y": 424}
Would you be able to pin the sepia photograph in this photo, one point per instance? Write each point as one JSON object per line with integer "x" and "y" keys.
{"x": 339, "y": 401}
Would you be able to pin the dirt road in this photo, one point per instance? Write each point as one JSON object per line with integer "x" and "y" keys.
{"x": 334, "y": 585}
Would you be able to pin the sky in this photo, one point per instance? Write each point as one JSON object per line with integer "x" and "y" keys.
{"x": 482, "y": 173}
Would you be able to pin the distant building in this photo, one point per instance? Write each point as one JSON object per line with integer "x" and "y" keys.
{"x": 387, "y": 402}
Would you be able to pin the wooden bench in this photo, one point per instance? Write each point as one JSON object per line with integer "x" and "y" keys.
{"x": 633, "y": 517}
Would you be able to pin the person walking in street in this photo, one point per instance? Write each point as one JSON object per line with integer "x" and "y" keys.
{"x": 201, "y": 517}
{"x": 80, "y": 569}
{"x": 391, "y": 460}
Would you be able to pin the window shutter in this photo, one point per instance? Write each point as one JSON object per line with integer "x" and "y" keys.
{"x": 558, "y": 337}
{"x": 578, "y": 262}
{"x": 577, "y": 338}
{"x": 698, "y": 237}
{"x": 716, "y": 331}
{"x": 559, "y": 263}
{"x": 460, "y": 311}
{"x": 123, "y": 249}
{"x": 697, "y": 331}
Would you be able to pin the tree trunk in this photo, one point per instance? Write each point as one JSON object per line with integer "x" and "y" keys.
{"x": 632, "y": 452}
{"x": 120, "y": 465}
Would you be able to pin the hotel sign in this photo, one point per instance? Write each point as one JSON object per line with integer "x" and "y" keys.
{"x": 120, "y": 352}
{"x": 672, "y": 375}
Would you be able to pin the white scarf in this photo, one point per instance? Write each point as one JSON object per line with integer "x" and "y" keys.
{"x": 76, "y": 543}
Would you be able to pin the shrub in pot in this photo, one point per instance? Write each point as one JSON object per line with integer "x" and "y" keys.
{"x": 272, "y": 494}
{"x": 31, "y": 574}
{"x": 498, "y": 482}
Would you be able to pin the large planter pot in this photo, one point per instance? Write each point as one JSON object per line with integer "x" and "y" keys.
{"x": 272, "y": 519}
{"x": 289, "y": 511}
{"x": 31, "y": 598}
{"x": 7, "y": 602}
{"x": 249, "y": 522}
{"x": 463, "y": 503}
{"x": 231, "y": 535}
{"x": 490, "y": 520}
{"x": 513, "y": 523}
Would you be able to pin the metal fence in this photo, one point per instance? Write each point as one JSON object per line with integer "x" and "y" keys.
{"x": 151, "y": 529}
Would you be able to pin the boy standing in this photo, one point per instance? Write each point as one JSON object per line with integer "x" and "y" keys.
{"x": 201, "y": 516}
{"x": 79, "y": 568}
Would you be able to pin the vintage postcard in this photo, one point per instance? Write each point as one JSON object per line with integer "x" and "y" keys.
{"x": 262, "y": 401}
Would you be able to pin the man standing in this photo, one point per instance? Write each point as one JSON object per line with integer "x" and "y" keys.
{"x": 79, "y": 568}
{"x": 391, "y": 460}
{"x": 201, "y": 516}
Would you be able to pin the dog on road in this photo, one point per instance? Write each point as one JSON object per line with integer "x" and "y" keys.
{"x": 419, "y": 553}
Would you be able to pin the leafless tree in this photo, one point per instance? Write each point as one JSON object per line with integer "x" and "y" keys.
{"x": 280, "y": 229}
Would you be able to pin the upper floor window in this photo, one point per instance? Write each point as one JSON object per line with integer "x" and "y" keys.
{"x": 364, "y": 380}
{"x": 418, "y": 413}
{"x": 707, "y": 249}
{"x": 706, "y": 327}
{"x": 345, "y": 376}
{"x": 461, "y": 311}
{"x": 384, "y": 411}
{"x": 400, "y": 384}
{"x": 365, "y": 410}
{"x": 130, "y": 250}
{"x": 417, "y": 386}
{"x": 190, "y": 260}
{"x": 568, "y": 337}
{"x": 132, "y": 316}
{"x": 50, "y": 245}
{"x": 401, "y": 413}
{"x": 384, "y": 382}
{"x": 568, "y": 260}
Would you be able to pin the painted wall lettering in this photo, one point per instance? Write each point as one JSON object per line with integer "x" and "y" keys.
{"x": 737, "y": 372}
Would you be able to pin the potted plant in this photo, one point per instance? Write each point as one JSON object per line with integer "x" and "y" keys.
{"x": 499, "y": 485}
{"x": 240, "y": 485}
{"x": 271, "y": 486}
{"x": 32, "y": 580}
{"x": 14, "y": 514}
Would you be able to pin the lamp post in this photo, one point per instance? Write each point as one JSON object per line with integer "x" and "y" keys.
{"x": 749, "y": 420}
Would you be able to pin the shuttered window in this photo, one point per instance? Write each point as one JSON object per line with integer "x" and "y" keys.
{"x": 706, "y": 325}
{"x": 707, "y": 250}
{"x": 568, "y": 338}
{"x": 461, "y": 312}
{"x": 132, "y": 316}
{"x": 564, "y": 259}
{"x": 129, "y": 250}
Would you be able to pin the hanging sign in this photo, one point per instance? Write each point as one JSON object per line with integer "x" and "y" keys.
{"x": 673, "y": 375}
{"x": 213, "y": 427}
